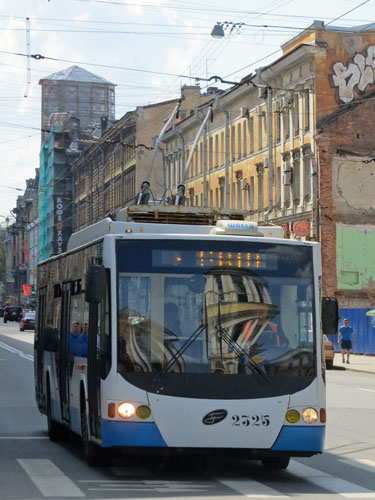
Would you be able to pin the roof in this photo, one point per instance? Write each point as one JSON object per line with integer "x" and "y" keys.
{"x": 76, "y": 74}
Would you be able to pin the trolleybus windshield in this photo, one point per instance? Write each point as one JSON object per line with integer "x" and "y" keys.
{"x": 215, "y": 319}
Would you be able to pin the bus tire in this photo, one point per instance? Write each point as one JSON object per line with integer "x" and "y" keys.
{"x": 56, "y": 432}
{"x": 93, "y": 453}
{"x": 275, "y": 462}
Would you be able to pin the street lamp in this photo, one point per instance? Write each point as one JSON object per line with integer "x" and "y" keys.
{"x": 218, "y": 31}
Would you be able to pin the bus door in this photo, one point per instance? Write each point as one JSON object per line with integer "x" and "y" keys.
{"x": 93, "y": 366}
{"x": 39, "y": 345}
{"x": 64, "y": 362}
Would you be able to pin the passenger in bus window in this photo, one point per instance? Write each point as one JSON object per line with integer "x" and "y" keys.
{"x": 78, "y": 341}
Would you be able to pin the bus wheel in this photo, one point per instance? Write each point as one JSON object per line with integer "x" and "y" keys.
{"x": 275, "y": 462}
{"x": 93, "y": 453}
{"x": 56, "y": 432}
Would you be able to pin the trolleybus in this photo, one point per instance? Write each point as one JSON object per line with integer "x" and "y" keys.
{"x": 182, "y": 328}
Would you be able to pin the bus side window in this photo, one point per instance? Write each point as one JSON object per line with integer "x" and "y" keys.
{"x": 51, "y": 322}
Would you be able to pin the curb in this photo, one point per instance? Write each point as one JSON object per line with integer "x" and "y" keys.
{"x": 358, "y": 370}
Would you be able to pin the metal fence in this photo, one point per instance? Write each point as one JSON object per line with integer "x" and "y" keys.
{"x": 363, "y": 328}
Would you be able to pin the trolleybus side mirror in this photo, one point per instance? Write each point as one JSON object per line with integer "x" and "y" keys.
{"x": 330, "y": 315}
{"x": 95, "y": 284}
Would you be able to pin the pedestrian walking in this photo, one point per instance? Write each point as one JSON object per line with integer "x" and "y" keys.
{"x": 346, "y": 340}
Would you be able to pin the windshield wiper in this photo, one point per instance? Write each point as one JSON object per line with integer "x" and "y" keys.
{"x": 177, "y": 355}
{"x": 241, "y": 353}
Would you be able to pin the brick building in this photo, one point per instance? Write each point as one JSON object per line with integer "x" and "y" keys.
{"x": 346, "y": 147}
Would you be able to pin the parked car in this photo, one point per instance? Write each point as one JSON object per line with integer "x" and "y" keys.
{"x": 1, "y": 312}
{"x": 329, "y": 352}
{"x": 28, "y": 322}
{"x": 13, "y": 313}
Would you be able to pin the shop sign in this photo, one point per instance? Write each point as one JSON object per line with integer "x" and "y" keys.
{"x": 301, "y": 228}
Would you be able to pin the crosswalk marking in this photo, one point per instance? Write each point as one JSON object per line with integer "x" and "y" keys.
{"x": 147, "y": 485}
{"x": 251, "y": 489}
{"x": 49, "y": 479}
{"x": 327, "y": 481}
{"x": 361, "y": 463}
{"x": 52, "y": 482}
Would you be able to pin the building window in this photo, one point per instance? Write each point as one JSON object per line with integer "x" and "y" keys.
{"x": 222, "y": 149}
{"x": 296, "y": 177}
{"x": 260, "y": 185}
{"x": 295, "y": 113}
{"x": 216, "y": 163}
{"x": 191, "y": 196}
{"x": 210, "y": 153}
{"x": 239, "y": 141}
{"x": 286, "y": 123}
{"x": 233, "y": 142}
{"x": 278, "y": 127}
{"x": 251, "y": 134}
{"x": 307, "y": 176}
{"x": 244, "y": 141}
{"x": 252, "y": 194}
{"x": 260, "y": 131}
{"x": 222, "y": 187}
{"x": 278, "y": 187}
{"x": 306, "y": 111}
{"x": 238, "y": 186}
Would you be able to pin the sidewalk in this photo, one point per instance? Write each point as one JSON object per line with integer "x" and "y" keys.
{"x": 358, "y": 363}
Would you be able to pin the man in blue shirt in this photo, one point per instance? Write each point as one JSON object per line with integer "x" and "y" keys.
{"x": 346, "y": 340}
{"x": 78, "y": 340}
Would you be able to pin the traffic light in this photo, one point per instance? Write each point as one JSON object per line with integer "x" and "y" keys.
{"x": 33, "y": 292}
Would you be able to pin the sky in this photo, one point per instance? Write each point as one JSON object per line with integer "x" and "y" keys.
{"x": 147, "y": 48}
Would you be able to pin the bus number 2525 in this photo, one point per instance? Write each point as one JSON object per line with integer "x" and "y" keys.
{"x": 251, "y": 420}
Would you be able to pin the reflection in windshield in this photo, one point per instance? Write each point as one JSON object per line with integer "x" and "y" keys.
{"x": 224, "y": 321}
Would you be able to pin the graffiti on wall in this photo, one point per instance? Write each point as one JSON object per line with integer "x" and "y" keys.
{"x": 357, "y": 75}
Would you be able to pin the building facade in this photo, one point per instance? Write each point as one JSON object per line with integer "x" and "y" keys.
{"x": 21, "y": 248}
{"x": 76, "y": 106}
{"x": 272, "y": 147}
{"x": 109, "y": 173}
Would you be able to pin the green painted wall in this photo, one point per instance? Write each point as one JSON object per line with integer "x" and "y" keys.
{"x": 355, "y": 256}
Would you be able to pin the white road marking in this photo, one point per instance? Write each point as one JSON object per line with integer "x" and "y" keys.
{"x": 13, "y": 350}
{"x": 24, "y": 437}
{"x": 49, "y": 479}
{"x": 147, "y": 485}
{"x": 361, "y": 463}
{"x": 251, "y": 489}
{"x": 367, "y": 390}
{"x": 329, "y": 482}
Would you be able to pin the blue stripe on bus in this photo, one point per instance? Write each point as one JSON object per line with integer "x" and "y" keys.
{"x": 115, "y": 433}
{"x": 298, "y": 438}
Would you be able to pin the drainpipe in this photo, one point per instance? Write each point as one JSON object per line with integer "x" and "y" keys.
{"x": 270, "y": 145}
{"x": 226, "y": 153}
{"x": 204, "y": 157}
{"x": 315, "y": 198}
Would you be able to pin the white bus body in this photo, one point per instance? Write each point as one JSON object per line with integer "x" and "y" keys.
{"x": 235, "y": 362}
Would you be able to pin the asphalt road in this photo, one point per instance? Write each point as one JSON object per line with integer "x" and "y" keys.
{"x": 34, "y": 468}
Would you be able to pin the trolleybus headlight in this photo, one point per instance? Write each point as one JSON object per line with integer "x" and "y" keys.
{"x": 126, "y": 410}
{"x": 292, "y": 416}
{"x": 143, "y": 412}
{"x": 310, "y": 415}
